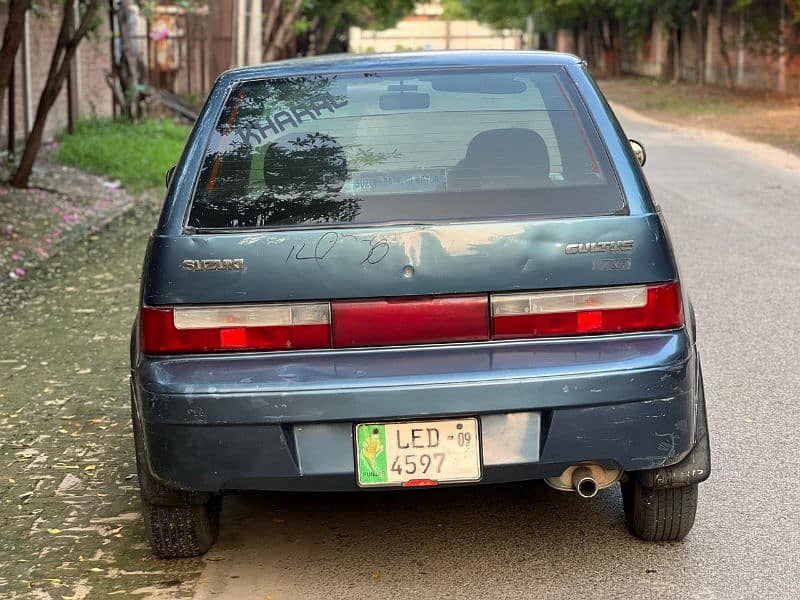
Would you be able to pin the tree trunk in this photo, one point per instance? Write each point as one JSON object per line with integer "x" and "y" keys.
{"x": 611, "y": 48}
{"x": 331, "y": 25}
{"x": 313, "y": 37}
{"x": 12, "y": 37}
{"x": 284, "y": 32}
{"x": 701, "y": 42}
{"x": 126, "y": 69}
{"x": 269, "y": 25}
{"x": 719, "y": 15}
{"x": 676, "y": 56}
{"x": 63, "y": 53}
{"x": 327, "y": 35}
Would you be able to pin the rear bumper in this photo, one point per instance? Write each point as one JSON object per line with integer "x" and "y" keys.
{"x": 285, "y": 421}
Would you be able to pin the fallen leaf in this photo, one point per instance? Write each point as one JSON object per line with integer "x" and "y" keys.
{"x": 54, "y": 531}
{"x": 89, "y": 468}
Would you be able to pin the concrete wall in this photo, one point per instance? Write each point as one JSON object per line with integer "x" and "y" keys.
{"x": 425, "y": 29}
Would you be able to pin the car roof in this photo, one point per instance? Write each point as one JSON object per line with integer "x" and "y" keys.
{"x": 342, "y": 63}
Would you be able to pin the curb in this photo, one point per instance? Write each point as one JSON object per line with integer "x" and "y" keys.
{"x": 70, "y": 218}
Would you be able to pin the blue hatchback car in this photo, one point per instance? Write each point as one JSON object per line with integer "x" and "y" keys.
{"x": 412, "y": 270}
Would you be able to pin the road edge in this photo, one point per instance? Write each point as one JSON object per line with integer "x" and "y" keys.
{"x": 758, "y": 151}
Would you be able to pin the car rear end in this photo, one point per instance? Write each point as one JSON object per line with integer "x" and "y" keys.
{"x": 373, "y": 277}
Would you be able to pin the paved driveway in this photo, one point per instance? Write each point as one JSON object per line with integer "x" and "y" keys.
{"x": 734, "y": 212}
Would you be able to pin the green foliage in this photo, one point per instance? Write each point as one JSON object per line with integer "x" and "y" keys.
{"x": 372, "y": 14}
{"x": 636, "y": 16}
{"x": 138, "y": 154}
{"x": 557, "y": 14}
{"x": 500, "y": 14}
{"x": 454, "y": 10}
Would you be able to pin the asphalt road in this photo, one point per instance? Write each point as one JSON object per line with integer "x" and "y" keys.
{"x": 734, "y": 214}
{"x": 69, "y": 512}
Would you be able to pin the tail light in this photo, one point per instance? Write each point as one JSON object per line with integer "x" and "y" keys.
{"x": 410, "y": 321}
{"x": 398, "y": 321}
{"x": 217, "y": 328}
{"x": 578, "y": 312}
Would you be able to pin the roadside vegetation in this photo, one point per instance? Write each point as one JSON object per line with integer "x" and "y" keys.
{"x": 761, "y": 116}
{"x": 136, "y": 154}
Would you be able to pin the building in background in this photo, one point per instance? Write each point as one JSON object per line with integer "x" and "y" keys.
{"x": 426, "y": 29}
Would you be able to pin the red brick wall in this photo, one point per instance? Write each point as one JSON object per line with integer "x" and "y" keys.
{"x": 95, "y": 98}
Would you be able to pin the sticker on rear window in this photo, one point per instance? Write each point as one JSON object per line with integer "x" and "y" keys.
{"x": 398, "y": 182}
{"x": 257, "y": 132}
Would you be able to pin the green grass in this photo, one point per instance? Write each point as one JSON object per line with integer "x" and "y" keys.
{"x": 652, "y": 94}
{"x": 137, "y": 154}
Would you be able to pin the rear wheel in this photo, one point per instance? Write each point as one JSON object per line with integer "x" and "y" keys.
{"x": 178, "y": 524}
{"x": 181, "y": 531}
{"x": 659, "y": 515}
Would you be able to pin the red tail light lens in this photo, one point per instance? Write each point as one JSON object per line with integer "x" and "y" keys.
{"x": 410, "y": 321}
{"x": 226, "y": 328}
{"x": 415, "y": 320}
{"x": 579, "y": 312}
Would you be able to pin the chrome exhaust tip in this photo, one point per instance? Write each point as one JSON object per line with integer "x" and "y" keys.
{"x": 585, "y": 478}
{"x": 584, "y": 483}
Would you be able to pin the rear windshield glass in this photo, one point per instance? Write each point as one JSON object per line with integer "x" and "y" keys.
{"x": 403, "y": 147}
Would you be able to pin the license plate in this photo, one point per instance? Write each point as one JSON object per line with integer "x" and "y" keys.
{"x": 419, "y": 451}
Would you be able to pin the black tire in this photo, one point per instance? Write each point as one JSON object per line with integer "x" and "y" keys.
{"x": 181, "y": 531}
{"x": 659, "y": 515}
{"x": 178, "y": 524}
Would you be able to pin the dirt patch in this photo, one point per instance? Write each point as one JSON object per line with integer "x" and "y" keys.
{"x": 69, "y": 506}
{"x": 759, "y": 116}
{"x": 61, "y": 206}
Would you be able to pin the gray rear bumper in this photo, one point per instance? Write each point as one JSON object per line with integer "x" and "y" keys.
{"x": 285, "y": 421}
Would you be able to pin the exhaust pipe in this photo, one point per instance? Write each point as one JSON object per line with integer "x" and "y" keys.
{"x": 585, "y": 478}
{"x": 584, "y": 482}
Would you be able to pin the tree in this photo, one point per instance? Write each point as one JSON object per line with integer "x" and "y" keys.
{"x": 278, "y": 29}
{"x": 602, "y": 22}
{"x": 310, "y": 27}
{"x": 69, "y": 37}
{"x": 720, "y": 12}
{"x": 700, "y": 19}
{"x": 124, "y": 78}
{"x": 12, "y": 37}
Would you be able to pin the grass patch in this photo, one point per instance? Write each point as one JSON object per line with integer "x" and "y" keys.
{"x": 138, "y": 154}
{"x": 760, "y": 115}
{"x": 682, "y": 99}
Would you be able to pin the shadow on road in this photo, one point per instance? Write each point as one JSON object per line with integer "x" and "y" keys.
{"x": 430, "y": 541}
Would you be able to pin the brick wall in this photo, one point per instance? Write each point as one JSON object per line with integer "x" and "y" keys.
{"x": 95, "y": 96}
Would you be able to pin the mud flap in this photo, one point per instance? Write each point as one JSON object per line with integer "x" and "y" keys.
{"x": 696, "y": 466}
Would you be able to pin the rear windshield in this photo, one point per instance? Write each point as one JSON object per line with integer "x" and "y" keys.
{"x": 403, "y": 147}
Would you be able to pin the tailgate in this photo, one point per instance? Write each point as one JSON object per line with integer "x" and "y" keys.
{"x": 408, "y": 260}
